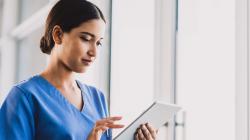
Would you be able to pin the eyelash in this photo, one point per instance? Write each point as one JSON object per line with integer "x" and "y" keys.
{"x": 99, "y": 44}
{"x": 85, "y": 39}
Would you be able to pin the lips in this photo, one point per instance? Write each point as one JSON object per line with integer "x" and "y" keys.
{"x": 86, "y": 61}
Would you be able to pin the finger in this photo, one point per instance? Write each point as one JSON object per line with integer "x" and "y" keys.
{"x": 108, "y": 120}
{"x": 151, "y": 130}
{"x": 115, "y": 125}
{"x": 136, "y": 136}
{"x": 103, "y": 122}
{"x": 141, "y": 136}
{"x": 115, "y": 118}
{"x": 101, "y": 129}
{"x": 146, "y": 132}
{"x": 109, "y": 125}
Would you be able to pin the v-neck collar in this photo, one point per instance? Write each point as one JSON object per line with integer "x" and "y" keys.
{"x": 83, "y": 93}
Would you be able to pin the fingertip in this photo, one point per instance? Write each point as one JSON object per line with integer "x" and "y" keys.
{"x": 116, "y": 126}
{"x": 121, "y": 126}
{"x": 119, "y": 117}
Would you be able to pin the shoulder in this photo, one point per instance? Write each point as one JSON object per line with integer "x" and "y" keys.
{"x": 24, "y": 89}
{"x": 18, "y": 98}
{"x": 27, "y": 84}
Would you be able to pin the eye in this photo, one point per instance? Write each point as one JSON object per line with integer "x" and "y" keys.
{"x": 99, "y": 44}
{"x": 85, "y": 38}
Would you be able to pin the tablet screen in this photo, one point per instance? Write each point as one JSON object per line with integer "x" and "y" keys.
{"x": 156, "y": 115}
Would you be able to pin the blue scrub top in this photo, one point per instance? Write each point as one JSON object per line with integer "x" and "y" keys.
{"x": 35, "y": 110}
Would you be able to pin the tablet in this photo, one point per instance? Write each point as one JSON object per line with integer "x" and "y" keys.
{"x": 156, "y": 115}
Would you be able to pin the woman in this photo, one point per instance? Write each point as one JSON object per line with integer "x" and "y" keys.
{"x": 53, "y": 105}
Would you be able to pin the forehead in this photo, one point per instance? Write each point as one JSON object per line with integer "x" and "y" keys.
{"x": 94, "y": 26}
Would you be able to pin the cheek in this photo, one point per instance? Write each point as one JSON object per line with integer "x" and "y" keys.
{"x": 79, "y": 47}
{"x": 76, "y": 49}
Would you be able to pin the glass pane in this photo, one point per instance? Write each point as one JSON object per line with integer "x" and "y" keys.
{"x": 206, "y": 69}
{"x": 30, "y": 59}
{"x": 0, "y": 69}
{"x": 29, "y": 7}
{"x": 1, "y": 16}
{"x": 132, "y": 58}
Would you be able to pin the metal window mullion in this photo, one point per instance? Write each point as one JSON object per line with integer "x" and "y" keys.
{"x": 242, "y": 70}
{"x": 248, "y": 70}
{"x": 165, "y": 43}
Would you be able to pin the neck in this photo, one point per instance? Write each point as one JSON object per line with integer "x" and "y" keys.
{"x": 59, "y": 75}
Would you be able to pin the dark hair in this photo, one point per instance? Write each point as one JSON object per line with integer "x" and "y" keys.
{"x": 68, "y": 14}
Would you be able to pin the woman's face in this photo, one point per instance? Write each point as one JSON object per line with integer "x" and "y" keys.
{"x": 79, "y": 47}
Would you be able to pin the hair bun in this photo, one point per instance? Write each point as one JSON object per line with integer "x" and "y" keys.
{"x": 44, "y": 46}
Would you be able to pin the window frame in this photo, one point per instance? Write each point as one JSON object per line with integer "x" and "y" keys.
{"x": 242, "y": 70}
{"x": 8, "y": 47}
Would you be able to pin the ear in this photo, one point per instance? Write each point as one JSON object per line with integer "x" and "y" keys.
{"x": 57, "y": 34}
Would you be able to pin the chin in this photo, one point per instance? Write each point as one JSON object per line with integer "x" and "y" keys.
{"x": 84, "y": 70}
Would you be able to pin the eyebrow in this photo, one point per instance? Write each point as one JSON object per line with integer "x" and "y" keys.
{"x": 90, "y": 34}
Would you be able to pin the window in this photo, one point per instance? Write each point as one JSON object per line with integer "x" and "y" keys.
{"x": 8, "y": 22}
{"x": 29, "y": 7}
{"x": 30, "y": 59}
{"x": 27, "y": 33}
{"x": 142, "y": 64}
{"x": 1, "y": 14}
{"x": 206, "y": 69}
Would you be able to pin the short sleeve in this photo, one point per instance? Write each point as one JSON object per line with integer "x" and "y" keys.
{"x": 16, "y": 117}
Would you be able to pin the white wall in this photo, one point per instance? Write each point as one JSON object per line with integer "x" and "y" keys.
{"x": 206, "y": 68}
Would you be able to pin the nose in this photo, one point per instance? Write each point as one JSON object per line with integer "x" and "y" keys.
{"x": 92, "y": 51}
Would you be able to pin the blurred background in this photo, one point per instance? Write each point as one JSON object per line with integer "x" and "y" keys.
{"x": 193, "y": 53}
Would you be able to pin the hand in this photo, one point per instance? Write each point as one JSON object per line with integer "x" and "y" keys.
{"x": 102, "y": 125}
{"x": 145, "y": 132}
